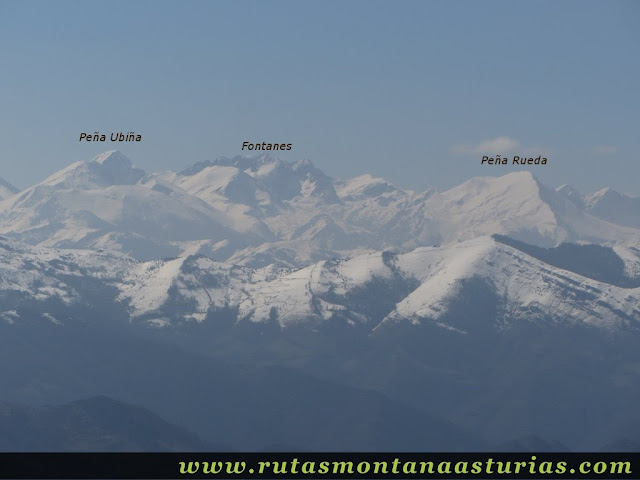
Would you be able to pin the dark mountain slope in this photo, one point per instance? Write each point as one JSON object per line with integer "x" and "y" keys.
{"x": 95, "y": 424}
{"x": 246, "y": 408}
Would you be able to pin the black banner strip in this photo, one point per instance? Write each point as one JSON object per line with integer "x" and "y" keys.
{"x": 302, "y": 465}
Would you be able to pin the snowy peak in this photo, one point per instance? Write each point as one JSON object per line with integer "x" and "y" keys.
{"x": 614, "y": 207}
{"x": 114, "y": 159}
{"x": 213, "y": 182}
{"x": 114, "y": 168}
{"x": 514, "y": 193}
{"x": 572, "y": 194}
{"x": 512, "y": 205}
{"x": 323, "y": 232}
{"x": 287, "y": 180}
{"x": 6, "y": 189}
{"x": 109, "y": 168}
{"x": 510, "y": 184}
{"x": 520, "y": 206}
{"x": 242, "y": 162}
{"x": 273, "y": 180}
{"x": 605, "y": 196}
{"x": 365, "y": 186}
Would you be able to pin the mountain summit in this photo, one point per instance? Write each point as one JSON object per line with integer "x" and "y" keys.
{"x": 108, "y": 168}
{"x": 114, "y": 168}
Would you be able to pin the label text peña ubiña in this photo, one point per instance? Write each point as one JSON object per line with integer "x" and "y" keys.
{"x": 114, "y": 137}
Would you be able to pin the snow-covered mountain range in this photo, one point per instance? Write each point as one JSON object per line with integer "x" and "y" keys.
{"x": 258, "y": 211}
{"x": 277, "y": 240}
{"x": 370, "y": 290}
{"x": 492, "y": 304}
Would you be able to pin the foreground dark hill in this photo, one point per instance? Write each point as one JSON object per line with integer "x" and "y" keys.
{"x": 530, "y": 443}
{"x": 576, "y": 385}
{"x": 245, "y": 408}
{"x": 95, "y": 424}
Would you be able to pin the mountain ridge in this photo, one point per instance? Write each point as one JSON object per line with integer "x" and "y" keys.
{"x": 418, "y": 286}
{"x": 258, "y": 210}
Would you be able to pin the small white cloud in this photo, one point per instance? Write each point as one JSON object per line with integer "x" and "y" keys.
{"x": 497, "y": 146}
{"x": 605, "y": 149}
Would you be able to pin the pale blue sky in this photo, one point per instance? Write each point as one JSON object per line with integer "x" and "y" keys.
{"x": 405, "y": 90}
